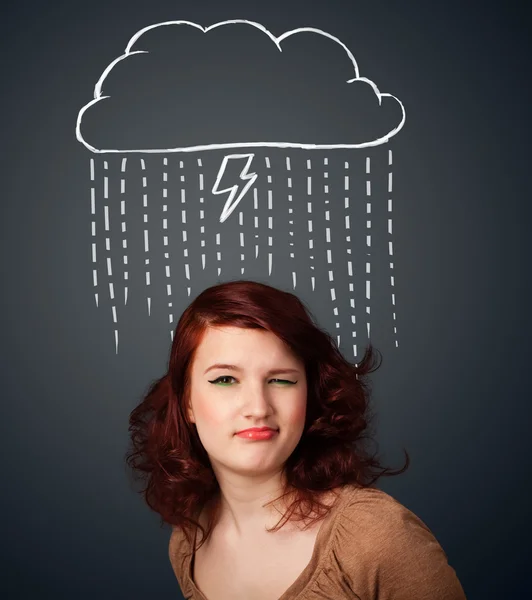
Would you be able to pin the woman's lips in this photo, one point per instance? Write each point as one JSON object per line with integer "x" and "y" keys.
{"x": 266, "y": 434}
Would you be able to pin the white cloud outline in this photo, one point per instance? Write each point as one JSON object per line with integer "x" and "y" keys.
{"x": 277, "y": 41}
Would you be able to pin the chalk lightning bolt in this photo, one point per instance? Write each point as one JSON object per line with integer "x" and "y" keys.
{"x": 231, "y": 203}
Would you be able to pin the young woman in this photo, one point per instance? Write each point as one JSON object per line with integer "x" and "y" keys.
{"x": 255, "y": 436}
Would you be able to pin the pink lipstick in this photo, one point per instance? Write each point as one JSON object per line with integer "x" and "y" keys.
{"x": 257, "y": 433}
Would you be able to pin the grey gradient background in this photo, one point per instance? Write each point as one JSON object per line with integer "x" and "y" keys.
{"x": 455, "y": 393}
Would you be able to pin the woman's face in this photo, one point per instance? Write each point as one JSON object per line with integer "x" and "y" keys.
{"x": 225, "y": 400}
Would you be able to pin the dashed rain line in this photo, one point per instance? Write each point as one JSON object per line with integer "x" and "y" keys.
{"x": 165, "y": 242}
{"x": 368, "y": 243}
{"x": 290, "y": 211}
{"x": 108, "y": 249}
{"x": 241, "y": 236}
{"x": 352, "y": 300}
{"x": 218, "y": 252}
{"x": 184, "y": 221}
{"x": 309, "y": 209}
{"x": 202, "y": 215}
{"x": 256, "y": 218}
{"x": 123, "y": 213}
{"x": 93, "y": 232}
{"x": 390, "y": 243}
{"x": 270, "y": 218}
{"x": 241, "y": 223}
{"x": 329, "y": 252}
{"x": 146, "y": 237}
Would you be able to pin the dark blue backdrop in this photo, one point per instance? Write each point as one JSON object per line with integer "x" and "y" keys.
{"x": 454, "y": 392}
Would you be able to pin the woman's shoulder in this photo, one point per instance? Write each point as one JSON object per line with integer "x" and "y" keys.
{"x": 372, "y": 514}
{"x": 372, "y": 501}
{"x": 380, "y": 544}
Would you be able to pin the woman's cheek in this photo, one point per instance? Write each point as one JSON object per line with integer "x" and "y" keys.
{"x": 210, "y": 414}
{"x": 297, "y": 415}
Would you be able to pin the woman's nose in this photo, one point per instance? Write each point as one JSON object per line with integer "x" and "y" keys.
{"x": 257, "y": 401}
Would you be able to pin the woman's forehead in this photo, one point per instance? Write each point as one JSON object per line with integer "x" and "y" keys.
{"x": 232, "y": 345}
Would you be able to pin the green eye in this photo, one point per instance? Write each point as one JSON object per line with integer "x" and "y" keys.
{"x": 218, "y": 380}
{"x": 222, "y": 377}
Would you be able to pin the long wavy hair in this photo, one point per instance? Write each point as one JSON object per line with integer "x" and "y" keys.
{"x": 167, "y": 454}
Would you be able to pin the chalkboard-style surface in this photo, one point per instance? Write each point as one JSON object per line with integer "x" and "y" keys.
{"x": 371, "y": 158}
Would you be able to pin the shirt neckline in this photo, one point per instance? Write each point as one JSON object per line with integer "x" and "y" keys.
{"x": 316, "y": 563}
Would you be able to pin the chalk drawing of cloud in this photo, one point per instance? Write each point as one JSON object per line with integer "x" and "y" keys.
{"x": 181, "y": 87}
{"x": 280, "y": 168}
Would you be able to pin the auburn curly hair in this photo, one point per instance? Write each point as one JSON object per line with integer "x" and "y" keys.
{"x": 166, "y": 451}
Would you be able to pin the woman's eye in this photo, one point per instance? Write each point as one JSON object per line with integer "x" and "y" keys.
{"x": 219, "y": 380}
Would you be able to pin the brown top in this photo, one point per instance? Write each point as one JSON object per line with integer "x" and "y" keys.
{"x": 369, "y": 547}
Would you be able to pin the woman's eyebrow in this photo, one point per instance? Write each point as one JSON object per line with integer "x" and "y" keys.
{"x": 237, "y": 368}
